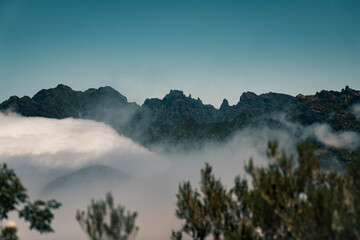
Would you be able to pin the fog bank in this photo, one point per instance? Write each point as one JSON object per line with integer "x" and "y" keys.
{"x": 42, "y": 150}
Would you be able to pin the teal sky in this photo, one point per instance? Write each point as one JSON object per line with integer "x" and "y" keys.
{"x": 211, "y": 49}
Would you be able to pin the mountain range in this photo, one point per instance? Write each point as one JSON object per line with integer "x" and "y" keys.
{"x": 178, "y": 118}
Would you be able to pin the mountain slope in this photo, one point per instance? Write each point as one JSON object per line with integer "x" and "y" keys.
{"x": 178, "y": 118}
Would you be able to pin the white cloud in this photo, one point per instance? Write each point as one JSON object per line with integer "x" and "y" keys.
{"x": 324, "y": 134}
{"x": 42, "y": 149}
{"x": 57, "y": 139}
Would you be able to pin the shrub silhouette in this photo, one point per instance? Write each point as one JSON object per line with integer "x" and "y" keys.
{"x": 291, "y": 198}
{"x": 105, "y": 221}
{"x": 13, "y": 197}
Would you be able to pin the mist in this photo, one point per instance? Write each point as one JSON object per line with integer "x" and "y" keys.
{"x": 324, "y": 134}
{"x": 42, "y": 150}
{"x": 355, "y": 109}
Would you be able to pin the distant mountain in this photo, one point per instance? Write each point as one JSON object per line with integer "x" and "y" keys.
{"x": 95, "y": 175}
{"x": 104, "y": 104}
{"x": 63, "y": 102}
{"x": 182, "y": 119}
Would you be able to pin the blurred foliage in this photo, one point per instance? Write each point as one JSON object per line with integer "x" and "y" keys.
{"x": 105, "y": 221}
{"x": 8, "y": 233}
{"x": 290, "y": 198}
{"x": 13, "y": 197}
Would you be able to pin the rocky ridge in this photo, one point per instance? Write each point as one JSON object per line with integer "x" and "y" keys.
{"x": 182, "y": 119}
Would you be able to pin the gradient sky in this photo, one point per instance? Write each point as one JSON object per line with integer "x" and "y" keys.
{"x": 211, "y": 49}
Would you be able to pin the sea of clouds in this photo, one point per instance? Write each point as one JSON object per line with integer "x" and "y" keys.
{"x": 41, "y": 150}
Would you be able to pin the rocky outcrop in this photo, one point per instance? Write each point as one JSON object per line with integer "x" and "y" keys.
{"x": 328, "y": 106}
{"x": 175, "y": 107}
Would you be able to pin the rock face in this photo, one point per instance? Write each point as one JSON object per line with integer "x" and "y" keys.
{"x": 104, "y": 104}
{"x": 179, "y": 118}
{"x": 329, "y": 106}
{"x": 175, "y": 107}
{"x": 63, "y": 102}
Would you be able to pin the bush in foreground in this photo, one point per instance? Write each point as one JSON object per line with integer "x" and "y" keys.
{"x": 13, "y": 197}
{"x": 291, "y": 198}
{"x": 105, "y": 221}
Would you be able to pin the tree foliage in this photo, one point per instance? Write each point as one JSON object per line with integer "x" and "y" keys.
{"x": 9, "y": 233}
{"x": 290, "y": 198}
{"x": 13, "y": 197}
{"x": 105, "y": 221}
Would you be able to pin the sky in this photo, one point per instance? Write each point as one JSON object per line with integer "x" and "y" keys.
{"x": 210, "y": 49}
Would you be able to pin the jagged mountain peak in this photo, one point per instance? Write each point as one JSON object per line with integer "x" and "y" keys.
{"x": 175, "y": 106}
{"x": 178, "y": 95}
{"x": 245, "y": 96}
{"x": 329, "y": 95}
{"x": 251, "y": 96}
{"x": 106, "y": 93}
{"x": 63, "y": 86}
{"x": 224, "y": 104}
{"x": 349, "y": 91}
{"x": 173, "y": 97}
{"x": 60, "y": 91}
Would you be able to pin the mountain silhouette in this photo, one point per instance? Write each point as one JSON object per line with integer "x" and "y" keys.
{"x": 179, "y": 119}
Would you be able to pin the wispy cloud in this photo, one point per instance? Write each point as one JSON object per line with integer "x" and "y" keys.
{"x": 324, "y": 134}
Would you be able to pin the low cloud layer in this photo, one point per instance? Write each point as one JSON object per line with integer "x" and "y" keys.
{"x": 321, "y": 133}
{"x": 324, "y": 134}
{"x": 41, "y": 150}
{"x": 56, "y": 139}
